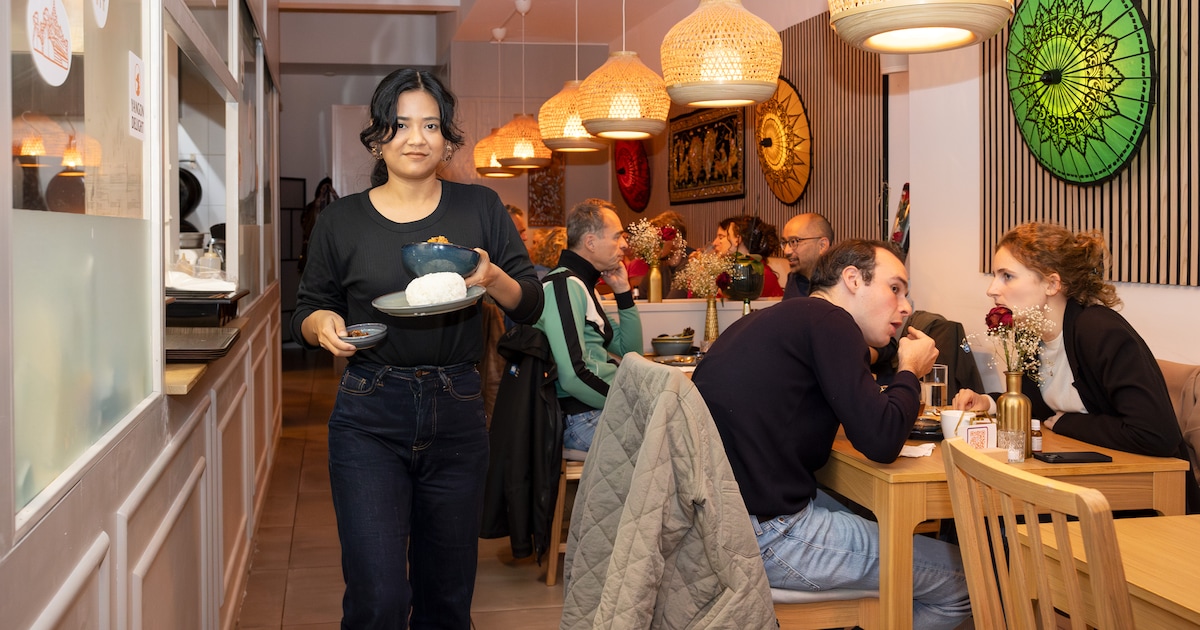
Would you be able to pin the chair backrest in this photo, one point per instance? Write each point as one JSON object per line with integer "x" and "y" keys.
{"x": 1183, "y": 383}
{"x": 990, "y": 500}
{"x": 954, "y": 351}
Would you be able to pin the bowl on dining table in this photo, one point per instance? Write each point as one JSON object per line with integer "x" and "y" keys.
{"x": 425, "y": 258}
{"x": 666, "y": 345}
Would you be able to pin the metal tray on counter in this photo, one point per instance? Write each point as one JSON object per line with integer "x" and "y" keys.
{"x": 199, "y": 343}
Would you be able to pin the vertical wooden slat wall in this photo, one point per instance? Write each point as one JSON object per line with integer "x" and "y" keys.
{"x": 841, "y": 87}
{"x": 1149, "y": 212}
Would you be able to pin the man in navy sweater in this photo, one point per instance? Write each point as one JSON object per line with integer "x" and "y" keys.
{"x": 778, "y": 414}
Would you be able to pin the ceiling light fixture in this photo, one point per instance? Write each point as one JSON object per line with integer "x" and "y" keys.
{"x": 721, "y": 56}
{"x": 487, "y": 162}
{"x": 623, "y": 99}
{"x": 519, "y": 143}
{"x": 559, "y": 119}
{"x": 917, "y": 26}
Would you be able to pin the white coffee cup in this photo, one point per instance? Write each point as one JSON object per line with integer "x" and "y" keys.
{"x": 955, "y": 423}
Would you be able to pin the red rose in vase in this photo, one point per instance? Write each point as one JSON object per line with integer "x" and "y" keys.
{"x": 724, "y": 280}
{"x": 667, "y": 233}
{"x": 999, "y": 317}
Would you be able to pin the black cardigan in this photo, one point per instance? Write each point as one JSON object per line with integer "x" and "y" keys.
{"x": 1121, "y": 386}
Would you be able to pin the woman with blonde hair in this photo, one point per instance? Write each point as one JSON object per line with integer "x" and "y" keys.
{"x": 1100, "y": 382}
{"x": 546, "y": 248}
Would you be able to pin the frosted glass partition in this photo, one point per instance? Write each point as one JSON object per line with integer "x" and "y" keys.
{"x": 81, "y": 336}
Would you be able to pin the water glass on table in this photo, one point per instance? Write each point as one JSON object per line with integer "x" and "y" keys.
{"x": 1014, "y": 443}
{"x": 933, "y": 387}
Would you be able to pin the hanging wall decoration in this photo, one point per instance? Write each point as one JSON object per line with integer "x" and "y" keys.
{"x": 633, "y": 173}
{"x": 1081, "y": 82}
{"x": 783, "y": 139}
{"x": 548, "y": 193}
{"x": 706, "y": 156}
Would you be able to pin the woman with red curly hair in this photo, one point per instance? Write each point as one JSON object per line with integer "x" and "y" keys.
{"x": 1099, "y": 381}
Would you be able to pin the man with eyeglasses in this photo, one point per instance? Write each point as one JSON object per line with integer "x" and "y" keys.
{"x": 805, "y": 237}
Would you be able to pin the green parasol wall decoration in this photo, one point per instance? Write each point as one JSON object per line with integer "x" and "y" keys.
{"x": 1081, "y": 81}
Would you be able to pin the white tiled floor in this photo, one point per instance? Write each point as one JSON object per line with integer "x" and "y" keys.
{"x": 295, "y": 576}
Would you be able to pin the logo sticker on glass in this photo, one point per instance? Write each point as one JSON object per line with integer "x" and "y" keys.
{"x": 49, "y": 31}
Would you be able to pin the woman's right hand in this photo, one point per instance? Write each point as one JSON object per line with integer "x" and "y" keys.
{"x": 323, "y": 328}
{"x": 967, "y": 400}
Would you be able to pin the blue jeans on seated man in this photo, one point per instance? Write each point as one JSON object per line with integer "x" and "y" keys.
{"x": 408, "y": 454}
{"x": 826, "y": 546}
{"x": 579, "y": 429}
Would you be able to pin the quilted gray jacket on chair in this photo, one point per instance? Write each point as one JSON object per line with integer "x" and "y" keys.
{"x": 660, "y": 537}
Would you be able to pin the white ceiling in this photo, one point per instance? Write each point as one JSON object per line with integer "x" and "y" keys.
{"x": 550, "y": 21}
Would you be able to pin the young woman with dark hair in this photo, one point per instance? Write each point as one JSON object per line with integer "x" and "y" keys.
{"x": 408, "y": 444}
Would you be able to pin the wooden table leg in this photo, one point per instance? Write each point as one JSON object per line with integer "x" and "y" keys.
{"x": 901, "y": 507}
{"x": 1170, "y": 492}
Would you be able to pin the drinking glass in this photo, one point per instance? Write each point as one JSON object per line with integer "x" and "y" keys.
{"x": 1014, "y": 443}
{"x": 933, "y": 387}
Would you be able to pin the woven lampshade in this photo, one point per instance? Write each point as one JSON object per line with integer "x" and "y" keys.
{"x": 519, "y": 144}
{"x": 917, "y": 26}
{"x": 623, "y": 99}
{"x": 486, "y": 163}
{"x": 721, "y": 56}
{"x": 560, "y": 124}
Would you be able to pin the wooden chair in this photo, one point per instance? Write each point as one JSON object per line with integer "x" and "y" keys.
{"x": 1004, "y": 577}
{"x": 839, "y": 608}
{"x": 572, "y": 471}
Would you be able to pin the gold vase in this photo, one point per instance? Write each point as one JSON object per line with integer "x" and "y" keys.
{"x": 1013, "y": 410}
{"x": 655, "y": 282}
{"x": 711, "y": 329}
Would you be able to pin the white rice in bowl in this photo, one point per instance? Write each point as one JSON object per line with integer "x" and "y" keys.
{"x": 436, "y": 288}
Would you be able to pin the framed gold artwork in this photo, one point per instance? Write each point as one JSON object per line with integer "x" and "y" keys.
{"x": 707, "y": 158}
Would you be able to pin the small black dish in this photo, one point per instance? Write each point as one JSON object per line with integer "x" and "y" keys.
{"x": 375, "y": 334}
{"x": 927, "y": 429}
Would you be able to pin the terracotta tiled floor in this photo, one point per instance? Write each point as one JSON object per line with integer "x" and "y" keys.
{"x": 295, "y": 575}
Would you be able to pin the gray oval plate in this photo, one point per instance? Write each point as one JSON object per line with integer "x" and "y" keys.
{"x": 396, "y": 304}
{"x": 375, "y": 334}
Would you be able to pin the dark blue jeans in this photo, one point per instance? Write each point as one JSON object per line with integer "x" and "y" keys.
{"x": 408, "y": 453}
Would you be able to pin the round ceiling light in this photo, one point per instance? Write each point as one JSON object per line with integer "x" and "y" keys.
{"x": 721, "y": 56}
{"x": 917, "y": 26}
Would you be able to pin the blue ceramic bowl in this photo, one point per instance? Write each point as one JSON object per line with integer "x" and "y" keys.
{"x": 671, "y": 345}
{"x": 425, "y": 258}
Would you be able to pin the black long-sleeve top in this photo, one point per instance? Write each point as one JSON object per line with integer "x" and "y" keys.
{"x": 354, "y": 257}
{"x": 780, "y": 381}
{"x": 1120, "y": 385}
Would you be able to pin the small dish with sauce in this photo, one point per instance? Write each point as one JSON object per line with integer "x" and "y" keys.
{"x": 363, "y": 336}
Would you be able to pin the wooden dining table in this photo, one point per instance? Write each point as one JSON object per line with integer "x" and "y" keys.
{"x": 911, "y": 490}
{"x": 1161, "y": 557}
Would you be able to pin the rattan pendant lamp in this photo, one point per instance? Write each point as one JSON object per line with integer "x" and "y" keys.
{"x": 917, "y": 26}
{"x": 559, "y": 119}
{"x": 519, "y": 143}
{"x": 486, "y": 161}
{"x": 721, "y": 56}
{"x": 623, "y": 99}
